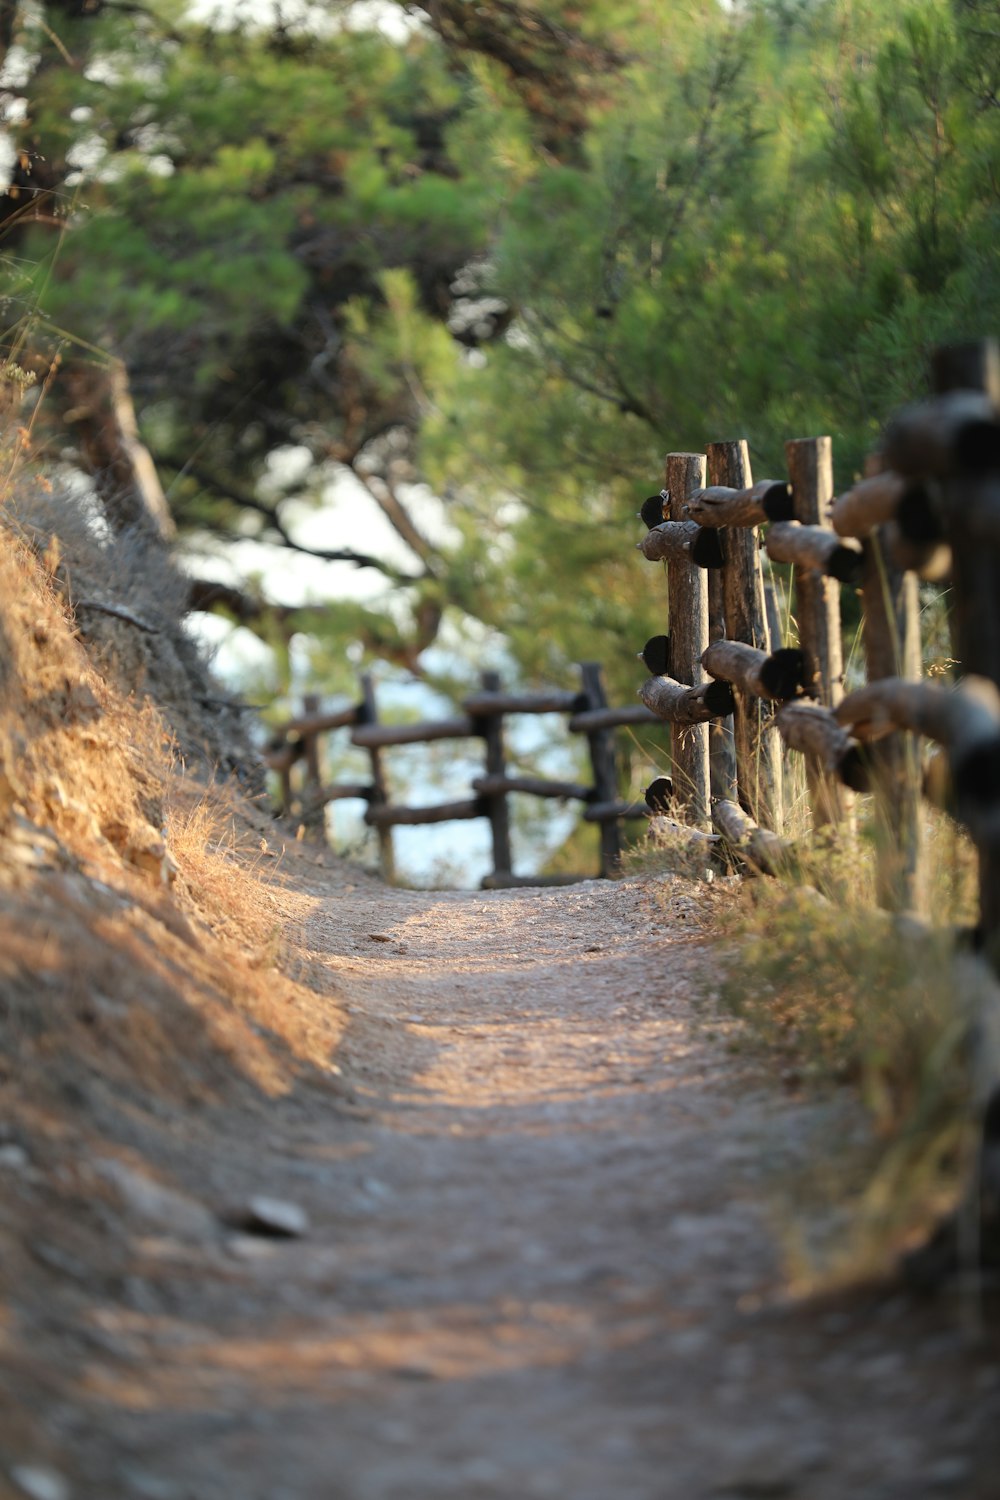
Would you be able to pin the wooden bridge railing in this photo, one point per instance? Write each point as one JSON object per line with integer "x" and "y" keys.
{"x": 295, "y": 755}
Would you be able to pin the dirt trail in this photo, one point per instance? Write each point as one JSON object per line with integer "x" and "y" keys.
{"x": 540, "y": 1260}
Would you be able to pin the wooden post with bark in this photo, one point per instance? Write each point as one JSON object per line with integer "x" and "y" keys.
{"x": 368, "y": 714}
{"x": 758, "y": 753}
{"x": 687, "y": 601}
{"x": 496, "y": 802}
{"x": 817, "y": 607}
{"x": 602, "y": 760}
{"x": 892, "y": 649}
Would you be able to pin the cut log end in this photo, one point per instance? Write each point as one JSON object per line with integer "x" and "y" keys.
{"x": 718, "y": 698}
{"x": 659, "y": 795}
{"x": 778, "y": 503}
{"x": 652, "y": 511}
{"x": 846, "y": 565}
{"x": 977, "y": 447}
{"x": 656, "y": 655}
{"x": 707, "y": 550}
{"x": 784, "y": 673}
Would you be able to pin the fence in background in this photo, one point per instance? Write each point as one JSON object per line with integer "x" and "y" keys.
{"x": 296, "y": 756}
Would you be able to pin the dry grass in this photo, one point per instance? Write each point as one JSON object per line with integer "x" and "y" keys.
{"x": 839, "y": 994}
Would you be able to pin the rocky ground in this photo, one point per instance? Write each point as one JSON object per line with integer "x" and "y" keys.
{"x": 533, "y": 1246}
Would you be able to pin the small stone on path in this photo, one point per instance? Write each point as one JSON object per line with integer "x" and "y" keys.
{"x": 276, "y": 1216}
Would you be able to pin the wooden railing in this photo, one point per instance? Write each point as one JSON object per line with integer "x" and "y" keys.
{"x": 296, "y": 756}
{"x": 928, "y": 508}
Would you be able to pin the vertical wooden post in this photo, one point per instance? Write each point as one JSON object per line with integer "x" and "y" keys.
{"x": 817, "y": 610}
{"x": 758, "y": 753}
{"x": 687, "y": 599}
{"x": 368, "y": 714}
{"x": 892, "y": 649}
{"x": 312, "y": 807}
{"x": 602, "y": 760}
{"x": 496, "y": 804}
{"x": 721, "y": 741}
{"x": 975, "y": 595}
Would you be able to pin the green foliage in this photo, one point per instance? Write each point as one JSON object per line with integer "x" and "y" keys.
{"x": 746, "y": 220}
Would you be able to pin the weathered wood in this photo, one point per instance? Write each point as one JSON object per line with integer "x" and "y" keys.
{"x": 721, "y": 738}
{"x": 815, "y": 731}
{"x": 600, "y": 740}
{"x": 687, "y": 601}
{"x": 532, "y": 786}
{"x": 707, "y": 550}
{"x": 381, "y": 736}
{"x": 955, "y": 433}
{"x": 763, "y": 850}
{"x": 385, "y": 816}
{"x": 817, "y": 598}
{"x": 815, "y": 549}
{"x": 962, "y": 718}
{"x": 767, "y": 500}
{"x": 344, "y": 791}
{"x": 758, "y": 754}
{"x": 495, "y": 803}
{"x": 614, "y": 810}
{"x": 676, "y": 704}
{"x": 310, "y": 705}
{"x": 671, "y": 541}
{"x": 367, "y": 715}
{"x": 834, "y": 761}
{"x": 593, "y": 719}
{"x": 480, "y": 705}
{"x": 308, "y": 724}
{"x": 892, "y": 648}
{"x": 776, "y": 677}
{"x": 868, "y": 504}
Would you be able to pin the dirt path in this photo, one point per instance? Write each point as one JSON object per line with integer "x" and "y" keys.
{"x": 540, "y": 1260}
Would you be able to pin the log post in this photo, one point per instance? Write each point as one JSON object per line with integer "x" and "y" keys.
{"x": 817, "y": 609}
{"x": 687, "y": 602}
{"x": 496, "y": 802}
{"x": 817, "y": 597}
{"x": 602, "y": 760}
{"x": 368, "y": 714}
{"x": 312, "y": 791}
{"x": 892, "y": 648}
{"x": 758, "y": 754}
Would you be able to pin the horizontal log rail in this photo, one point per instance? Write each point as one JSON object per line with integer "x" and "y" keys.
{"x": 531, "y": 786}
{"x": 389, "y": 815}
{"x": 382, "y": 736}
{"x": 816, "y": 733}
{"x": 718, "y": 506}
{"x": 479, "y": 705}
{"x": 759, "y": 847}
{"x": 774, "y": 677}
{"x": 676, "y": 704}
{"x": 611, "y": 812}
{"x": 595, "y": 719}
{"x": 815, "y": 547}
{"x": 867, "y": 505}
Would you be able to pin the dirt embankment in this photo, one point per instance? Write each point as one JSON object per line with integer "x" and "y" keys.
{"x": 527, "y": 1181}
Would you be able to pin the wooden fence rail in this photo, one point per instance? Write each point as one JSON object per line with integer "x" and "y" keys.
{"x": 296, "y": 756}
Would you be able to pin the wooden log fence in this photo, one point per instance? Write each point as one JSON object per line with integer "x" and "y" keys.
{"x": 928, "y": 507}
{"x": 297, "y": 748}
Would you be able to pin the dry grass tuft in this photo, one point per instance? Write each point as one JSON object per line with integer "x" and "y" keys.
{"x": 839, "y": 994}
